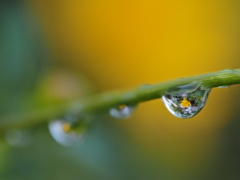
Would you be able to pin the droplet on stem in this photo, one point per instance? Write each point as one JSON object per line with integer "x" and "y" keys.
{"x": 122, "y": 111}
{"x": 186, "y": 101}
{"x": 18, "y": 138}
{"x": 67, "y": 132}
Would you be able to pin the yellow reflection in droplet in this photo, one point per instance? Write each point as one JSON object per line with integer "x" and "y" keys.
{"x": 66, "y": 127}
{"x": 185, "y": 103}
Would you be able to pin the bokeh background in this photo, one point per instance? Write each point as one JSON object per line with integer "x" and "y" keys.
{"x": 56, "y": 50}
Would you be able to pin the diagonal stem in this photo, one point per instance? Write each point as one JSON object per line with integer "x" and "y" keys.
{"x": 104, "y": 101}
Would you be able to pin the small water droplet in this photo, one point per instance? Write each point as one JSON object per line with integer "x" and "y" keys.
{"x": 68, "y": 132}
{"x": 122, "y": 111}
{"x": 18, "y": 138}
{"x": 186, "y": 103}
{"x": 223, "y": 86}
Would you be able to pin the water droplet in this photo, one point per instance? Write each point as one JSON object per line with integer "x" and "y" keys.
{"x": 186, "y": 103}
{"x": 122, "y": 111}
{"x": 18, "y": 138}
{"x": 224, "y": 86}
{"x": 68, "y": 132}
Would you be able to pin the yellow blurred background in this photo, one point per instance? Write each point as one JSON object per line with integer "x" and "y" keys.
{"x": 119, "y": 44}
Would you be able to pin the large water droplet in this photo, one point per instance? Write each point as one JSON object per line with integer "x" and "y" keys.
{"x": 122, "y": 111}
{"x": 186, "y": 103}
{"x": 68, "y": 132}
{"x": 18, "y": 138}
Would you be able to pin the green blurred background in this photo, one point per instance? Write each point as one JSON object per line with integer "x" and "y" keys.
{"x": 52, "y": 51}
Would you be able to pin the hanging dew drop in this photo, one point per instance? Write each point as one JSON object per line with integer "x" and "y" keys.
{"x": 122, "y": 111}
{"x": 186, "y": 101}
{"x": 18, "y": 138}
{"x": 67, "y": 132}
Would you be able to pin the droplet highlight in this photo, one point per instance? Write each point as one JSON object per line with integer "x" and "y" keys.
{"x": 122, "y": 111}
{"x": 186, "y": 101}
{"x": 18, "y": 138}
{"x": 67, "y": 132}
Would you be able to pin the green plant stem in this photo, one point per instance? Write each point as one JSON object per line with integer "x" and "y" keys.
{"x": 104, "y": 101}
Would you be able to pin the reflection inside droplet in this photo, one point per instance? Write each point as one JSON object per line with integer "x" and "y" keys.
{"x": 185, "y": 103}
{"x": 122, "y": 111}
{"x": 67, "y": 133}
{"x": 18, "y": 138}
